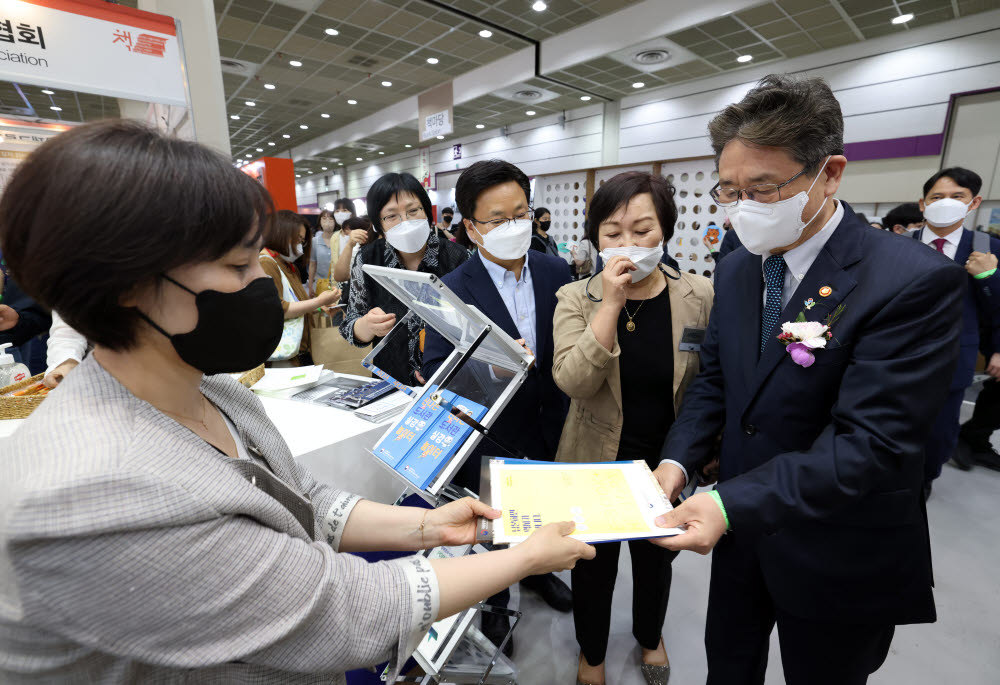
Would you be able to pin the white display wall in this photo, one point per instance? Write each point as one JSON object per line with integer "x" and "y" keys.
{"x": 565, "y": 196}
{"x": 695, "y": 209}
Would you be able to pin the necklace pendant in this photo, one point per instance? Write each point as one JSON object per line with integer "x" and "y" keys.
{"x": 630, "y": 326}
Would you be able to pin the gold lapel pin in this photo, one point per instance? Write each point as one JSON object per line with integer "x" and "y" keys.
{"x": 825, "y": 291}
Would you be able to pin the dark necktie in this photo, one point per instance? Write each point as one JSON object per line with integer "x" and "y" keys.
{"x": 774, "y": 277}
{"x": 939, "y": 244}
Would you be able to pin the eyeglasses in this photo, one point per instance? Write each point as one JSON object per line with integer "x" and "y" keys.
{"x": 390, "y": 220}
{"x": 762, "y": 192}
{"x": 497, "y": 223}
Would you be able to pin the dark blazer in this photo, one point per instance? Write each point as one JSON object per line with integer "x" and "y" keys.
{"x": 980, "y": 313}
{"x": 822, "y": 467}
{"x": 33, "y": 318}
{"x": 730, "y": 242}
{"x": 533, "y": 420}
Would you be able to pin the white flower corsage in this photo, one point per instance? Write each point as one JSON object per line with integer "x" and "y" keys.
{"x": 801, "y": 337}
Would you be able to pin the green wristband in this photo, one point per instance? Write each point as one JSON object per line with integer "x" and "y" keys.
{"x": 985, "y": 274}
{"x": 718, "y": 500}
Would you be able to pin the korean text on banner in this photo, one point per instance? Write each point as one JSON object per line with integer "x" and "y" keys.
{"x": 425, "y": 167}
{"x": 434, "y": 112}
{"x": 93, "y": 48}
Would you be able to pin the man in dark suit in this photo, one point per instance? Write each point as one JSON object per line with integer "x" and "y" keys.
{"x": 949, "y": 195}
{"x": 517, "y": 291}
{"x": 821, "y": 465}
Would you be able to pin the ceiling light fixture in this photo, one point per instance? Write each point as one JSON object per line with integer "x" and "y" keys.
{"x": 325, "y": 115}
{"x": 485, "y": 33}
{"x": 59, "y": 109}
{"x": 251, "y": 103}
{"x": 234, "y": 116}
{"x": 359, "y": 159}
{"x": 303, "y": 127}
{"x": 298, "y": 175}
{"x": 352, "y": 102}
{"x": 380, "y": 152}
{"x": 387, "y": 84}
{"x": 440, "y": 137}
{"x": 432, "y": 60}
{"x": 902, "y": 18}
{"x": 332, "y": 32}
{"x": 260, "y": 149}
{"x": 285, "y": 135}
{"x": 341, "y": 164}
{"x": 743, "y": 59}
{"x": 295, "y": 63}
{"x": 49, "y": 92}
{"x": 530, "y": 112}
{"x": 638, "y": 84}
{"x": 249, "y": 155}
{"x": 585, "y": 98}
{"x": 323, "y": 168}
{"x": 539, "y": 6}
{"x": 480, "y": 125}
{"x": 269, "y": 86}
{"x": 271, "y": 144}
{"x": 407, "y": 145}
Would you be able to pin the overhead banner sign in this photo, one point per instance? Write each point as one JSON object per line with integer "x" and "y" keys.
{"x": 91, "y": 46}
{"x": 434, "y": 112}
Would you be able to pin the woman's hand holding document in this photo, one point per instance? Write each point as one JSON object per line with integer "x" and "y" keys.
{"x": 607, "y": 502}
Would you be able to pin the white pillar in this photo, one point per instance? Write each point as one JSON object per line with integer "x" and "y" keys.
{"x": 612, "y": 129}
{"x": 204, "y": 69}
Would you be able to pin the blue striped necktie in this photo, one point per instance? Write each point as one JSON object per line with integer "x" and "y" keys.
{"x": 774, "y": 277}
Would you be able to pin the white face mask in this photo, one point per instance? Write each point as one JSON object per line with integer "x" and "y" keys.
{"x": 645, "y": 259}
{"x": 765, "y": 227}
{"x": 510, "y": 241}
{"x": 409, "y": 236}
{"x": 946, "y": 212}
{"x": 294, "y": 254}
{"x": 341, "y": 217}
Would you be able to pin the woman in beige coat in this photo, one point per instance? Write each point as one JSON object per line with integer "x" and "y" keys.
{"x": 618, "y": 357}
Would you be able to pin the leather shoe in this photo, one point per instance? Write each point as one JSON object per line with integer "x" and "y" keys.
{"x": 555, "y": 592}
{"x": 495, "y": 628}
{"x": 990, "y": 459}
{"x": 963, "y": 457}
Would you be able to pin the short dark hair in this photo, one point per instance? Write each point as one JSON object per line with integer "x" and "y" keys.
{"x": 540, "y": 212}
{"x": 800, "y": 115}
{"x": 964, "y": 178}
{"x": 618, "y": 191}
{"x": 360, "y": 223}
{"x": 448, "y": 210}
{"x": 904, "y": 215}
{"x": 482, "y": 176}
{"x": 387, "y": 187}
{"x": 143, "y": 203}
{"x": 283, "y": 233}
{"x": 344, "y": 203}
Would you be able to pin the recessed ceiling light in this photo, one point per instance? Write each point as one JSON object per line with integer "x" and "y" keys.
{"x": 260, "y": 149}
{"x": 387, "y": 84}
{"x": 269, "y": 86}
{"x": 295, "y": 63}
{"x": 49, "y": 92}
{"x": 381, "y": 153}
{"x": 332, "y": 32}
{"x": 539, "y": 6}
{"x": 352, "y": 102}
{"x": 902, "y": 18}
{"x": 303, "y": 127}
{"x": 440, "y": 137}
{"x": 323, "y": 168}
{"x": 638, "y": 84}
{"x": 407, "y": 145}
{"x": 325, "y": 115}
{"x": 234, "y": 116}
{"x": 251, "y": 103}
{"x": 743, "y": 59}
{"x": 59, "y": 109}
{"x": 271, "y": 144}
{"x": 480, "y": 126}
{"x": 485, "y": 33}
{"x": 585, "y": 98}
{"x": 359, "y": 159}
{"x": 341, "y": 164}
{"x": 249, "y": 155}
{"x": 530, "y": 112}
{"x": 298, "y": 175}
{"x": 432, "y": 60}
{"x": 285, "y": 135}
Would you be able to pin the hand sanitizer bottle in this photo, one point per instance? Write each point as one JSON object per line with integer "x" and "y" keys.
{"x": 11, "y": 372}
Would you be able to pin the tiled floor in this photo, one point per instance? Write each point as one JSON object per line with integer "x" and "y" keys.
{"x": 962, "y": 647}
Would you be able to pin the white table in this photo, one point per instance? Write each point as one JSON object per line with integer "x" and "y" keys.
{"x": 332, "y": 443}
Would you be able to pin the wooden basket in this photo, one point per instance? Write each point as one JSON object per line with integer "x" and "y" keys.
{"x": 19, "y": 407}
{"x": 252, "y": 376}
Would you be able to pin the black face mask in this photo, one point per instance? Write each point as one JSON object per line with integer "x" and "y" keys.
{"x": 447, "y": 218}
{"x": 235, "y": 332}
{"x": 544, "y": 225}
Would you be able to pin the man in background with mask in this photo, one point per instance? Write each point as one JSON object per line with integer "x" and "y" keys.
{"x": 949, "y": 196}
{"x": 517, "y": 291}
{"x": 817, "y": 522}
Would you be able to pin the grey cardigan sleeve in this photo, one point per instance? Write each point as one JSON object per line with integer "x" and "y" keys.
{"x": 208, "y": 589}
